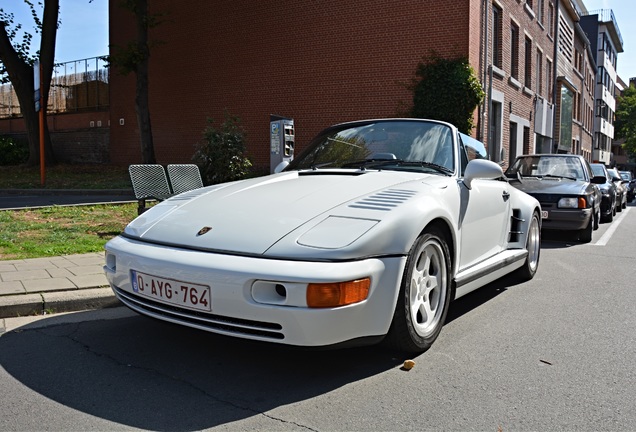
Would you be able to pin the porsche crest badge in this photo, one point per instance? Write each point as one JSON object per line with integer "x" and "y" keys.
{"x": 204, "y": 230}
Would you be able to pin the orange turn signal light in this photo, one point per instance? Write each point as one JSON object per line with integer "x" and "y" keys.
{"x": 324, "y": 295}
{"x": 582, "y": 203}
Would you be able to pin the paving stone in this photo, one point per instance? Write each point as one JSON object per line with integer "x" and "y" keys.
{"x": 60, "y": 273}
{"x": 49, "y": 284}
{"x": 90, "y": 281}
{"x": 35, "y": 264}
{"x": 12, "y": 287}
{"x": 85, "y": 270}
{"x": 24, "y": 275}
{"x": 7, "y": 268}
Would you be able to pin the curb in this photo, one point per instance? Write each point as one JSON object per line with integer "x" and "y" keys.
{"x": 54, "y": 302}
{"x": 125, "y": 192}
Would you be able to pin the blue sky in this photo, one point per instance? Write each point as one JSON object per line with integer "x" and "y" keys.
{"x": 82, "y": 34}
{"x": 84, "y": 29}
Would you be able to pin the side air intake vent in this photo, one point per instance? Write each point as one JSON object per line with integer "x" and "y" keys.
{"x": 385, "y": 200}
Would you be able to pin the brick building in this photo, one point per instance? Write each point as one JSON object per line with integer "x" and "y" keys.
{"x": 322, "y": 62}
{"x": 575, "y": 84}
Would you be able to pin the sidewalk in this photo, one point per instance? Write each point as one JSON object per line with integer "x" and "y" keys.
{"x": 55, "y": 284}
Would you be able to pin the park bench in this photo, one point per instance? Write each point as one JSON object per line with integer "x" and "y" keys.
{"x": 153, "y": 182}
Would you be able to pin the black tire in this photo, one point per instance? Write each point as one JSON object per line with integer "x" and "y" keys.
{"x": 585, "y": 235}
{"x": 610, "y": 216}
{"x": 533, "y": 246}
{"x": 424, "y": 297}
{"x": 597, "y": 219}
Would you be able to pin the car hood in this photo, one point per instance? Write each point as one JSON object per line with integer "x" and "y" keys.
{"x": 250, "y": 216}
{"x": 542, "y": 186}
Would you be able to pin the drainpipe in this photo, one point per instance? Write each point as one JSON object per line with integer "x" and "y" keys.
{"x": 554, "y": 76}
{"x": 484, "y": 60}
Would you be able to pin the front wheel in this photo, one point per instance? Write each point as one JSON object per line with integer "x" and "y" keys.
{"x": 424, "y": 295}
{"x": 585, "y": 235}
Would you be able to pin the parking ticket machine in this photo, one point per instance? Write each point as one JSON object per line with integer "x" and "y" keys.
{"x": 281, "y": 139}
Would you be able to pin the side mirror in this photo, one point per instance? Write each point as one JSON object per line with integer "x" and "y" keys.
{"x": 598, "y": 179}
{"x": 481, "y": 169}
{"x": 281, "y": 166}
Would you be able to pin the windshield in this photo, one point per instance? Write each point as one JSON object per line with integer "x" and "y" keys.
{"x": 407, "y": 145}
{"x": 547, "y": 166}
{"x": 598, "y": 170}
{"x": 626, "y": 175}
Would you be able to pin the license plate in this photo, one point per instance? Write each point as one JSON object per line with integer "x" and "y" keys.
{"x": 184, "y": 294}
{"x": 544, "y": 214}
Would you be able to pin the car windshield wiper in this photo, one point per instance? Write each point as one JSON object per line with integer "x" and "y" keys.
{"x": 559, "y": 177}
{"x": 385, "y": 163}
{"x": 439, "y": 168}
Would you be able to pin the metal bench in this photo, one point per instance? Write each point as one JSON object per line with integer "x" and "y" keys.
{"x": 149, "y": 181}
{"x": 184, "y": 177}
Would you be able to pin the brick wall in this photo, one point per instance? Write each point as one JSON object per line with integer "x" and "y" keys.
{"x": 317, "y": 62}
{"x": 76, "y": 138}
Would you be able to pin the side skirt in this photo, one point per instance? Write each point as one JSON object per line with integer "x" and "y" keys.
{"x": 488, "y": 271}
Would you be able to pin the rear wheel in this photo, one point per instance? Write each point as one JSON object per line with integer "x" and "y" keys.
{"x": 424, "y": 295}
{"x": 533, "y": 246}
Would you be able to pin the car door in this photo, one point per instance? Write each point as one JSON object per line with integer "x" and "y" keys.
{"x": 485, "y": 210}
{"x": 486, "y": 219}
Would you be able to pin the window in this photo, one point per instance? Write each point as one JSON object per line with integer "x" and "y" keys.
{"x": 514, "y": 50}
{"x": 549, "y": 83}
{"x": 540, "y": 11}
{"x": 551, "y": 19}
{"x": 512, "y": 145}
{"x": 539, "y": 70}
{"x": 496, "y": 36}
{"x": 528, "y": 65}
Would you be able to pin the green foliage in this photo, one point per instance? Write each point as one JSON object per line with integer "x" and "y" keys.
{"x": 447, "y": 90}
{"x": 13, "y": 152}
{"x": 221, "y": 156}
{"x": 625, "y": 125}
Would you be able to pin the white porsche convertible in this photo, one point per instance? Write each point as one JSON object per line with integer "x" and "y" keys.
{"x": 368, "y": 235}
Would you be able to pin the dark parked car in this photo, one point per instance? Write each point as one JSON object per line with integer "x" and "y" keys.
{"x": 566, "y": 188}
{"x": 630, "y": 184}
{"x": 621, "y": 189}
{"x": 608, "y": 192}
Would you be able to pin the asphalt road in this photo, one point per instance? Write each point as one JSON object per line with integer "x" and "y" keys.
{"x": 555, "y": 353}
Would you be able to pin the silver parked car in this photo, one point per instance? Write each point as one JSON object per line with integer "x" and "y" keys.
{"x": 621, "y": 189}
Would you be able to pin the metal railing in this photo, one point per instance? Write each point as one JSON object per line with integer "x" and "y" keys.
{"x": 76, "y": 86}
{"x": 606, "y": 16}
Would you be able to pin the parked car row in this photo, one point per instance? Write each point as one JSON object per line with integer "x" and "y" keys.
{"x": 574, "y": 194}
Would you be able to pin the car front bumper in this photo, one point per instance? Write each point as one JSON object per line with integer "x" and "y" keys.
{"x": 237, "y": 310}
{"x": 567, "y": 219}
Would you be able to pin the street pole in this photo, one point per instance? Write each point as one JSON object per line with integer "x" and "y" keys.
{"x": 37, "y": 84}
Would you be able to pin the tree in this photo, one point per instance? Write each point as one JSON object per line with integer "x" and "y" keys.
{"x": 134, "y": 57}
{"x": 447, "y": 90}
{"x": 625, "y": 125}
{"x": 17, "y": 63}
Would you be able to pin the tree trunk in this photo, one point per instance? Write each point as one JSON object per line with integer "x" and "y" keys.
{"x": 142, "y": 105}
{"x": 21, "y": 77}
